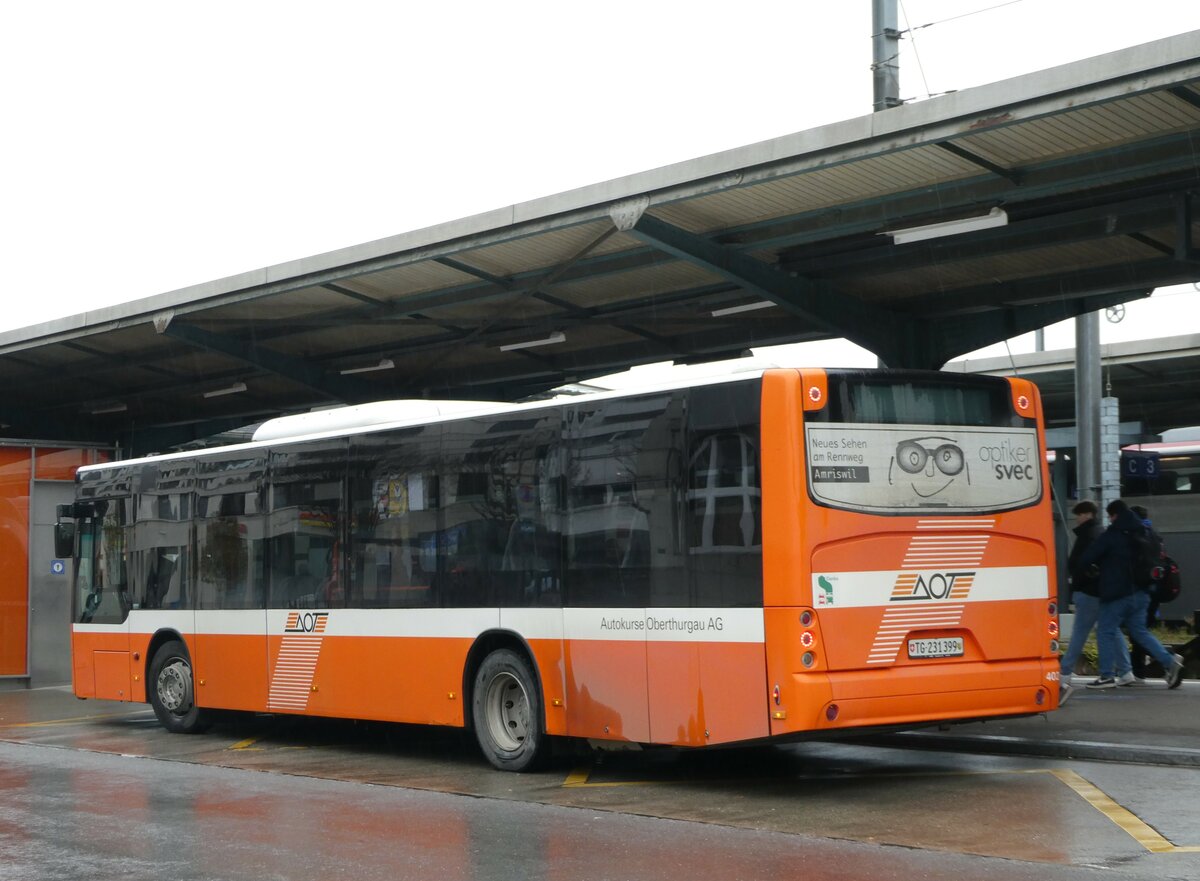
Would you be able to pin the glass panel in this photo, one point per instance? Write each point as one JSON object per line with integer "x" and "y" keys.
{"x": 160, "y": 569}
{"x": 900, "y": 398}
{"x": 914, "y": 469}
{"x": 624, "y": 543}
{"x": 500, "y": 542}
{"x": 231, "y": 553}
{"x": 305, "y": 526}
{"x": 725, "y": 496}
{"x": 394, "y": 519}
{"x": 102, "y": 580}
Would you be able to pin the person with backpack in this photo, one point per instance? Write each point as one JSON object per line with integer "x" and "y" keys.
{"x": 1085, "y": 594}
{"x": 1137, "y": 654}
{"x": 1124, "y": 558}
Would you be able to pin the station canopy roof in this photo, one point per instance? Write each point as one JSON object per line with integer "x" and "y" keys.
{"x": 1156, "y": 382}
{"x": 1058, "y": 193}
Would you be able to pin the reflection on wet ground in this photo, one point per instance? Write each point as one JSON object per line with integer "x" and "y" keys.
{"x": 967, "y": 804}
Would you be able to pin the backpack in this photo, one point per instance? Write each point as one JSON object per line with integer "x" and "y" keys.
{"x": 1147, "y": 556}
{"x": 1167, "y": 584}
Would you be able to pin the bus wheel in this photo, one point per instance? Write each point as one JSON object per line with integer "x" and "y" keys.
{"x": 171, "y": 690}
{"x": 508, "y": 711}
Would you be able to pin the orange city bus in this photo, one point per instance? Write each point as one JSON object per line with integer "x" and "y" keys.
{"x": 785, "y": 554}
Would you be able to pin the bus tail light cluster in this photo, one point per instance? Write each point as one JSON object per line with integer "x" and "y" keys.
{"x": 808, "y": 638}
{"x": 1052, "y": 627}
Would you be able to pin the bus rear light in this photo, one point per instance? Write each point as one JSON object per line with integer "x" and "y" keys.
{"x": 831, "y": 712}
{"x": 1054, "y": 646}
{"x": 808, "y": 659}
{"x": 807, "y": 639}
{"x": 806, "y": 618}
{"x": 1041, "y": 697}
{"x": 1053, "y": 610}
{"x": 775, "y": 694}
{"x": 1052, "y": 627}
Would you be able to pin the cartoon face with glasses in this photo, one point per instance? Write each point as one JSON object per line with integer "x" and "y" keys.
{"x": 931, "y": 463}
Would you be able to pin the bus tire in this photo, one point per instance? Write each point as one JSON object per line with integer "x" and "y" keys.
{"x": 172, "y": 691}
{"x": 507, "y": 711}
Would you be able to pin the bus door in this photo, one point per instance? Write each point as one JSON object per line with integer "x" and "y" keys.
{"x": 100, "y": 634}
{"x": 705, "y": 627}
{"x": 604, "y": 615}
{"x": 231, "y": 627}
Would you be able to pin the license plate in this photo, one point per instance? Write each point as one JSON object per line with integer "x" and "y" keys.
{"x": 944, "y": 647}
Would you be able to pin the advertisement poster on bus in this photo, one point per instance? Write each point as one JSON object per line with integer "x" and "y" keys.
{"x": 922, "y": 468}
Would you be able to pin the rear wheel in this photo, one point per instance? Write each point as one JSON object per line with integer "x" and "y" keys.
{"x": 508, "y": 712}
{"x": 172, "y": 690}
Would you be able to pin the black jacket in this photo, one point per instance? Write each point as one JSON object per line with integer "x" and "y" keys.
{"x": 1085, "y": 534}
{"x": 1113, "y": 553}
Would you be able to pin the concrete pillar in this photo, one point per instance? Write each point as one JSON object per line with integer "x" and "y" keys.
{"x": 885, "y": 47}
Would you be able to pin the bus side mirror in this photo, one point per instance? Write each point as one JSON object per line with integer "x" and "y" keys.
{"x": 64, "y": 540}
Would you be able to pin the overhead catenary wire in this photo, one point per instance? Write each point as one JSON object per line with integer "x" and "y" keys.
{"x": 930, "y": 24}
{"x": 912, "y": 29}
{"x": 916, "y": 52}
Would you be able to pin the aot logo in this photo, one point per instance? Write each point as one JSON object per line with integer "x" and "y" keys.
{"x": 932, "y": 587}
{"x": 306, "y": 622}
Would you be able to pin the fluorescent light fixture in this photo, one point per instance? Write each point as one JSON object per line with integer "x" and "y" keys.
{"x": 110, "y": 408}
{"x": 384, "y": 364}
{"x": 556, "y": 337}
{"x": 745, "y": 307}
{"x": 995, "y": 217}
{"x": 228, "y": 390}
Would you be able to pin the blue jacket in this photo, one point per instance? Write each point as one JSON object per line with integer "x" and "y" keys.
{"x": 1113, "y": 553}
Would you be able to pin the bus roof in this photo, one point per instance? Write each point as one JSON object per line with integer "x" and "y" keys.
{"x": 388, "y": 415}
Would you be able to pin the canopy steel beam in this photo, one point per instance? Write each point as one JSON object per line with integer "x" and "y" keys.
{"x": 963, "y": 153}
{"x": 893, "y": 337}
{"x": 301, "y": 372}
{"x": 1079, "y": 283}
{"x": 956, "y": 335}
{"x": 1064, "y": 227}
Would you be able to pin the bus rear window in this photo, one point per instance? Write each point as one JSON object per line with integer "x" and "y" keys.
{"x": 921, "y": 446}
{"x": 898, "y": 399}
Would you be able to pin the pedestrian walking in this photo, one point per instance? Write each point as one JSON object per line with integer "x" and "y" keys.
{"x": 1138, "y": 655}
{"x": 1114, "y": 553}
{"x": 1085, "y": 594}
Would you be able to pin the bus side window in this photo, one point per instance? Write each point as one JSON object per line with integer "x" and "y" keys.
{"x": 104, "y": 597}
{"x": 623, "y": 543}
{"x": 160, "y": 548}
{"x": 306, "y": 522}
{"x": 724, "y": 497}
{"x": 393, "y": 518}
{"x": 229, "y": 523}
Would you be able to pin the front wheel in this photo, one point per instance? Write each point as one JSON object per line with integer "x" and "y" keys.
{"x": 508, "y": 711}
{"x": 172, "y": 690}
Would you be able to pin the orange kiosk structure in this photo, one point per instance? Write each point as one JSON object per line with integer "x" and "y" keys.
{"x": 35, "y": 600}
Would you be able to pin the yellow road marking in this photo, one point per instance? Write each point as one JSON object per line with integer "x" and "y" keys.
{"x": 246, "y": 744}
{"x": 578, "y": 779}
{"x": 1139, "y": 830}
{"x": 1143, "y": 834}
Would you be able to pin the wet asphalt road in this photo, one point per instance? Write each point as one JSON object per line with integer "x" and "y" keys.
{"x": 68, "y": 815}
{"x": 98, "y": 790}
